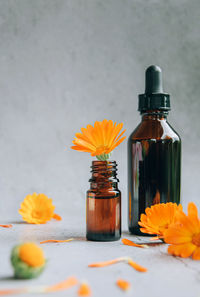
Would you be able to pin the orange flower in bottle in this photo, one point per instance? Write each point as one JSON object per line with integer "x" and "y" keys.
{"x": 158, "y": 218}
{"x": 184, "y": 234}
{"x": 38, "y": 209}
{"x": 99, "y": 140}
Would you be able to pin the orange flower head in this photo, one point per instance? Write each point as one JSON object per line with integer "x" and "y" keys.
{"x": 158, "y": 218}
{"x": 37, "y": 209}
{"x": 27, "y": 260}
{"x": 99, "y": 140}
{"x": 184, "y": 234}
{"x": 31, "y": 254}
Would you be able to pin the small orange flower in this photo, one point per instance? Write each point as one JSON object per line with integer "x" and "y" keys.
{"x": 123, "y": 284}
{"x": 37, "y": 209}
{"x": 99, "y": 140}
{"x": 158, "y": 218}
{"x": 184, "y": 234}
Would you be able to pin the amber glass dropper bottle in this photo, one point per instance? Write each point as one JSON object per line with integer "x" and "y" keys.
{"x": 154, "y": 153}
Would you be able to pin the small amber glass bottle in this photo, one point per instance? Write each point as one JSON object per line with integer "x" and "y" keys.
{"x": 103, "y": 206}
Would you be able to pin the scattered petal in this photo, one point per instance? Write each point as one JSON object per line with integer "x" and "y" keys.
{"x": 6, "y": 226}
{"x": 66, "y": 284}
{"x": 131, "y": 243}
{"x": 123, "y": 284}
{"x": 154, "y": 238}
{"x": 136, "y": 266}
{"x": 56, "y": 240}
{"x": 107, "y": 263}
{"x": 84, "y": 290}
{"x": 57, "y": 217}
{"x": 12, "y": 291}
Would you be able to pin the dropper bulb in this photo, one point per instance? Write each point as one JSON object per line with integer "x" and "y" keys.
{"x": 153, "y": 82}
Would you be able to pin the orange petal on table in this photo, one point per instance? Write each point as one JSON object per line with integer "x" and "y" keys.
{"x": 12, "y": 291}
{"x": 84, "y": 290}
{"x": 66, "y": 284}
{"x": 57, "y": 217}
{"x": 155, "y": 238}
{"x": 131, "y": 243}
{"x": 107, "y": 263}
{"x": 136, "y": 266}
{"x": 6, "y": 226}
{"x": 123, "y": 284}
{"x": 56, "y": 240}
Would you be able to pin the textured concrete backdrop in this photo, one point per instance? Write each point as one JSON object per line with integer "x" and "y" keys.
{"x": 64, "y": 64}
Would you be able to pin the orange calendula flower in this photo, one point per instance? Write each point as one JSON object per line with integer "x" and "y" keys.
{"x": 123, "y": 284}
{"x": 184, "y": 234}
{"x": 27, "y": 260}
{"x": 38, "y": 209}
{"x": 99, "y": 140}
{"x": 84, "y": 290}
{"x": 158, "y": 218}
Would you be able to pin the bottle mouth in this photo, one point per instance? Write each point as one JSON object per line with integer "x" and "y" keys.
{"x": 107, "y": 162}
{"x": 103, "y": 166}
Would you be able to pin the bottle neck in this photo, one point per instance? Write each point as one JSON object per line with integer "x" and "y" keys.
{"x": 154, "y": 115}
{"x": 104, "y": 174}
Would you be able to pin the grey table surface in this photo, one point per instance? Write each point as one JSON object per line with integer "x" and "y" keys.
{"x": 166, "y": 275}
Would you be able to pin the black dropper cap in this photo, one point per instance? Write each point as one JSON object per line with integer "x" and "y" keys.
{"x": 154, "y": 98}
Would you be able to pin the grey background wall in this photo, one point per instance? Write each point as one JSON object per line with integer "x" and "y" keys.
{"x": 64, "y": 64}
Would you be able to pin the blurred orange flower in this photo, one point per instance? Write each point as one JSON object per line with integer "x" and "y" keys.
{"x": 31, "y": 254}
{"x": 184, "y": 234}
{"x": 37, "y": 209}
{"x": 99, "y": 140}
{"x": 158, "y": 218}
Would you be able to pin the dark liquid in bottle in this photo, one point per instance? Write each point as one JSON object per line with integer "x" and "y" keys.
{"x": 154, "y": 175}
{"x": 104, "y": 218}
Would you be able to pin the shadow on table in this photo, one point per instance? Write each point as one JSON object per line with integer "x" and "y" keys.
{"x": 7, "y": 278}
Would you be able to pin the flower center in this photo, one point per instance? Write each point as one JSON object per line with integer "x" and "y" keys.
{"x": 31, "y": 254}
{"x": 196, "y": 239}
